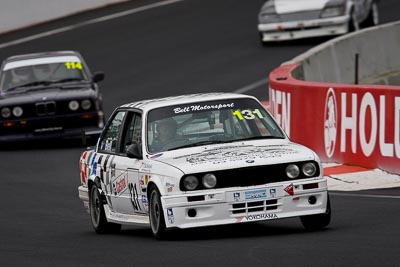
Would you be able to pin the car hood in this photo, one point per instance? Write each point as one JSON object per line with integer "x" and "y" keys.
{"x": 229, "y": 156}
{"x": 47, "y": 94}
{"x": 290, "y": 6}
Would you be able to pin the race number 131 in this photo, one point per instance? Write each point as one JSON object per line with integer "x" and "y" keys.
{"x": 248, "y": 114}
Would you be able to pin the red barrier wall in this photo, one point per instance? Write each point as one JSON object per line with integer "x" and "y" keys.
{"x": 349, "y": 124}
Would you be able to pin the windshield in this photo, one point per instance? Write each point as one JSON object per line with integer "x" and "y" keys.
{"x": 41, "y": 74}
{"x": 213, "y": 122}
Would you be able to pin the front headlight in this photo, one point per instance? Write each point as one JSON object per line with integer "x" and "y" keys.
{"x": 309, "y": 169}
{"x": 86, "y": 104}
{"x": 209, "y": 180}
{"x": 190, "y": 182}
{"x": 5, "y": 112}
{"x": 73, "y": 105}
{"x": 268, "y": 14}
{"x": 292, "y": 171}
{"x": 332, "y": 11}
{"x": 17, "y": 111}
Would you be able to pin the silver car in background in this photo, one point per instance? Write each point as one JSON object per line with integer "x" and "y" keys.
{"x": 293, "y": 19}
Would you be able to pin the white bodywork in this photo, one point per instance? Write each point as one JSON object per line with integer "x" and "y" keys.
{"x": 124, "y": 181}
{"x": 294, "y": 23}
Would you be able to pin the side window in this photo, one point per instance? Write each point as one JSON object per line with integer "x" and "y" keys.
{"x": 133, "y": 131}
{"x": 109, "y": 141}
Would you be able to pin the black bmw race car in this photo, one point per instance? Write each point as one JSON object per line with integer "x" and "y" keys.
{"x": 49, "y": 95}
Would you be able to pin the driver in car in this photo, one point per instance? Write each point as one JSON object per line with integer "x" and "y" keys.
{"x": 166, "y": 133}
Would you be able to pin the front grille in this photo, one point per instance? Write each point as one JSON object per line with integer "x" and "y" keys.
{"x": 250, "y": 176}
{"x": 301, "y": 16}
{"x": 46, "y": 108}
{"x": 255, "y": 206}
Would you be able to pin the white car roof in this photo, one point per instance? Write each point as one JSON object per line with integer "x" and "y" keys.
{"x": 150, "y": 104}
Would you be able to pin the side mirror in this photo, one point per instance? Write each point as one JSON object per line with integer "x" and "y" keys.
{"x": 134, "y": 151}
{"x": 98, "y": 76}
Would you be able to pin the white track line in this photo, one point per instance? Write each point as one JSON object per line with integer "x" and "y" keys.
{"x": 251, "y": 86}
{"x": 364, "y": 195}
{"x": 89, "y": 22}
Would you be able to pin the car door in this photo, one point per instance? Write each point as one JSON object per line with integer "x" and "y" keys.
{"x": 131, "y": 198}
{"x": 109, "y": 147}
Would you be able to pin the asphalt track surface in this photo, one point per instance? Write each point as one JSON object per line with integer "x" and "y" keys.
{"x": 189, "y": 46}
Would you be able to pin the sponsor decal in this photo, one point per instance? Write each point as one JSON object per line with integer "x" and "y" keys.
{"x": 145, "y": 203}
{"x": 146, "y": 166}
{"x": 272, "y": 192}
{"x": 265, "y": 216}
{"x": 120, "y": 185}
{"x": 169, "y": 187}
{"x": 170, "y": 215}
{"x": 134, "y": 196}
{"x": 236, "y": 196}
{"x": 257, "y": 217}
{"x": 255, "y": 194}
{"x": 192, "y": 108}
{"x": 289, "y": 189}
{"x": 235, "y": 154}
{"x": 330, "y": 123}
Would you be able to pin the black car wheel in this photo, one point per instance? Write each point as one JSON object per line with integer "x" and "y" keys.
{"x": 317, "y": 221}
{"x": 97, "y": 214}
{"x": 156, "y": 214}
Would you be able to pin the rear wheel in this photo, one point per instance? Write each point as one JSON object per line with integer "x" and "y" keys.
{"x": 156, "y": 214}
{"x": 317, "y": 221}
{"x": 97, "y": 214}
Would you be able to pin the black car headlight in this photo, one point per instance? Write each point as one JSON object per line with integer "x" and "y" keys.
{"x": 5, "y": 112}
{"x": 86, "y": 104}
{"x": 17, "y": 111}
{"x": 73, "y": 105}
{"x": 209, "y": 180}
{"x": 190, "y": 182}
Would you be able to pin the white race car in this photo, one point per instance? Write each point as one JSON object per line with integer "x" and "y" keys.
{"x": 199, "y": 160}
{"x": 294, "y": 19}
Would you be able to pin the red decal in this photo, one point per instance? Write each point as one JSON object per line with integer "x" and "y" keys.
{"x": 120, "y": 185}
{"x": 239, "y": 219}
{"x": 289, "y": 189}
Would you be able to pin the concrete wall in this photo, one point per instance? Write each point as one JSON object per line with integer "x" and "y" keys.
{"x": 16, "y": 14}
{"x": 334, "y": 61}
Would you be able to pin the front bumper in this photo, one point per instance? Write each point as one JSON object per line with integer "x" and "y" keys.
{"x": 69, "y": 126}
{"x": 303, "y": 29}
{"x": 256, "y": 203}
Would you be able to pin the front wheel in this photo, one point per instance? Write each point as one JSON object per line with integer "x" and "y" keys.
{"x": 373, "y": 16}
{"x": 97, "y": 214}
{"x": 156, "y": 214}
{"x": 317, "y": 221}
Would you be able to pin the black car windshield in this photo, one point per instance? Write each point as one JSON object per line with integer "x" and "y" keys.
{"x": 211, "y": 122}
{"x": 42, "y": 75}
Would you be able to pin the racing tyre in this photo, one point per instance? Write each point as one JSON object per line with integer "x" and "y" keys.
{"x": 156, "y": 214}
{"x": 317, "y": 221}
{"x": 97, "y": 214}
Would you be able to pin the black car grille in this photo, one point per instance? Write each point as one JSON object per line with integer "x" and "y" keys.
{"x": 251, "y": 176}
{"x": 45, "y": 108}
